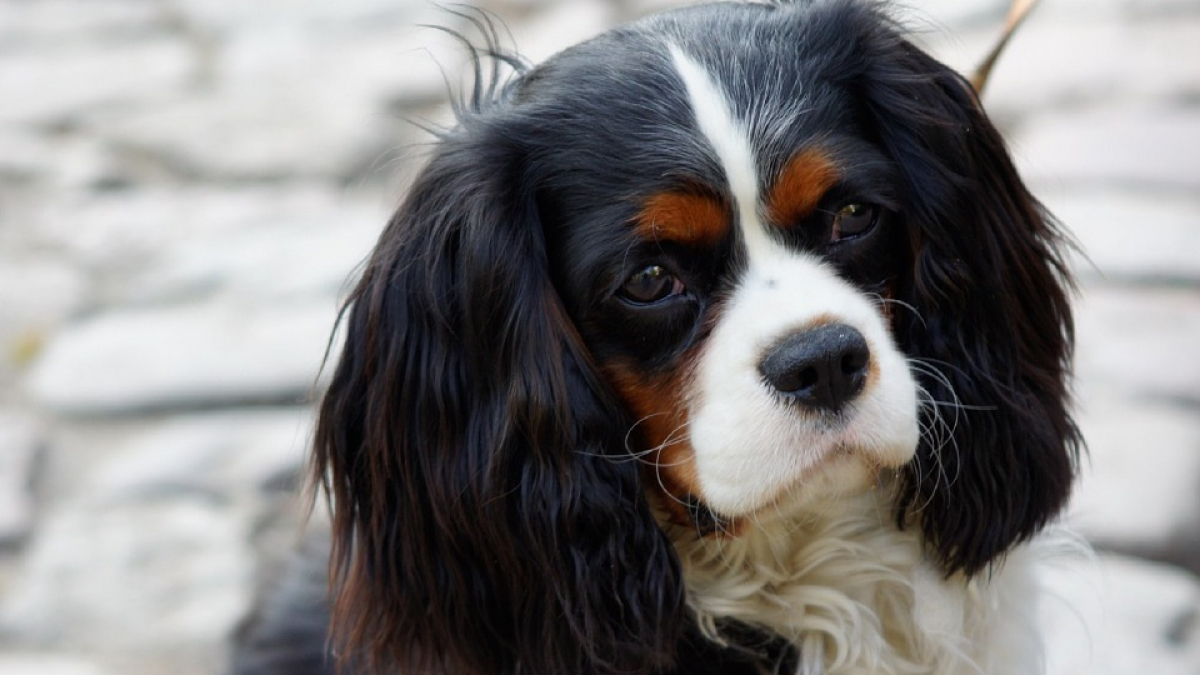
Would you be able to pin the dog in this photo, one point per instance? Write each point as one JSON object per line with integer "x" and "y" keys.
{"x": 729, "y": 341}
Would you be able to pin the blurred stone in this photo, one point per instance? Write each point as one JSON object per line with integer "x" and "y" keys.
{"x": 1140, "y": 341}
{"x": 251, "y": 133}
{"x": 226, "y": 16}
{"x": 37, "y": 296}
{"x": 562, "y": 25}
{"x": 279, "y": 243}
{"x": 350, "y": 69}
{"x": 182, "y": 357}
{"x": 1126, "y": 235}
{"x": 121, "y": 230}
{"x": 132, "y": 576}
{"x": 33, "y": 25}
{"x": 1118, "y": 10}
{"x": 234, "y": 452}
{"x": 19, "y": 443}
{"x": 31, "y": 160}
{"x": 1140, "y": 489}
{"x": 953, "y": 16}
{"x": 1120, "y": 616}
{"x": 1077, "y": 60}
{"x": 29, "y": 663}
{"x": 287, "y": 100}
{"x": 24, "y": 156}
{"x": 286, "y": 257}
{"x": 57, "y": 86}
{"x": 636, "y": 9}
{"x": 1119, "y": 145}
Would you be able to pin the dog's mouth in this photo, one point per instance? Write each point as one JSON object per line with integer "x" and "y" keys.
{"x": 842, "y": 472}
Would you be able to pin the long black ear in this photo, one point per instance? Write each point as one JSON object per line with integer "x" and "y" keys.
{"x": 990, "y": 329}
{"x": 482, "y": 523}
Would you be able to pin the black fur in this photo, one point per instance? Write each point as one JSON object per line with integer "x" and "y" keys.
{"x": 991, "y": 325}
{"x": 482, "y": 522}
{"x": 286, "y": 631}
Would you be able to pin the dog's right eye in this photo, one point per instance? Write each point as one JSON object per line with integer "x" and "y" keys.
{"x": 852, "y": 220}
{"x": 649, "y": 285}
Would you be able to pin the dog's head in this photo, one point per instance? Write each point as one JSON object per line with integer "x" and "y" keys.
{"x": 727, "y": 260}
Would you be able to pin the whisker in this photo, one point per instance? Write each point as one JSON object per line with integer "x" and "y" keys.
{"x": 893, "y": 301}
{"x": 940, "y": 431}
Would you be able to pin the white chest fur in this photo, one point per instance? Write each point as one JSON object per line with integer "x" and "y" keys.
{"x": 858, "y": 596}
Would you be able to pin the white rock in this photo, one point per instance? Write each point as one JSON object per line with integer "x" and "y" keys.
{"x": 1119, "y": 616}
{"x": 159, "y": 245}
{"x": 215, "y": 353}
{"x": 120, "y": 227}
{"x": 1126, "y": 145}
{"x": 1070, "y": 59}
{"x": 953, "y": 15}
{"x": 174, "y": 572}
{"x": 40, "y": 165}
{"x": 218, "y": 453}
{"x": 224, "y": 16}
{"x": 29, "y": 663}
{"x": 248, "y": 133}
{"x": 367, "y": 67}
{"x": 561, "y": 26}
{"x": 26, "y": 25}
{"x": 1129, "y": 235}
{"x": 19, "y": 441}
{"x": 291, "y": 97}
{"x": 43, "y": 86}
{"x": 286, "y": 257}
{"x": 1139, "y": 341}
{"x": 1056, "y": 62}
{"x": 641, "y": 8}
{"x": 1140, "y": 488}
{"x": 38, "y": 294}
{"x": 1124, "y": 10}
{"x": 24, "y": 156}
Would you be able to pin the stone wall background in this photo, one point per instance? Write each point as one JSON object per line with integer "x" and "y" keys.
{"x": 187, "y": 185}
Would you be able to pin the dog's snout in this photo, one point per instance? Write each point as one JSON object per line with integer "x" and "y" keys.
{"x": 824, "y": 367}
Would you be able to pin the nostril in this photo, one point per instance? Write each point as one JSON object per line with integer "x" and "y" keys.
{"x": 809, "y": 377}
{"x": 792, "y": 380}
{"x": 824, "y": 367}
{"x": 855, "y": 362}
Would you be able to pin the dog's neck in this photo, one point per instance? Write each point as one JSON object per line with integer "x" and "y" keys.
{"x": 857, "y": 595}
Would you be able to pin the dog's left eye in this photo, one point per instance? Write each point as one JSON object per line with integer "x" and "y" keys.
{"x": 650, "y": 285}
{"x": 853, "y": 220}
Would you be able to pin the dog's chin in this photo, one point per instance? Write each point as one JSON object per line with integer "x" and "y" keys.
{"x": 842, "y": 474}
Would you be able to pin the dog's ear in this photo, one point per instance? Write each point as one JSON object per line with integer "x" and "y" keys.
{"x": 990, "y": 329}
{"x": 483, "y": 521}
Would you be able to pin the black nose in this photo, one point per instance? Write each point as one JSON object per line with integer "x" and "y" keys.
{"x": 820, "y": 368}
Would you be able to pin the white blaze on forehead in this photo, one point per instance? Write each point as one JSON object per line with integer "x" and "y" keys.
{"x": 750, "y": 446}
{"x": 715, "y": 118}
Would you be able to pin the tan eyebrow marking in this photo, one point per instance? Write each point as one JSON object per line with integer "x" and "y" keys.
{"x": 805, "y": 179}
{"x": 686, "y": 218}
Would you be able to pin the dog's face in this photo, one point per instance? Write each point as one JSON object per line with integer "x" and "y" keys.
{"x": 728, "y": 255}
{"x": 739, "y": 258}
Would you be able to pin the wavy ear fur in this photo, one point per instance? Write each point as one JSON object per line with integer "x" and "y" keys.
{"x": 991, "y": 328}
{"x": 481, "y": 521}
